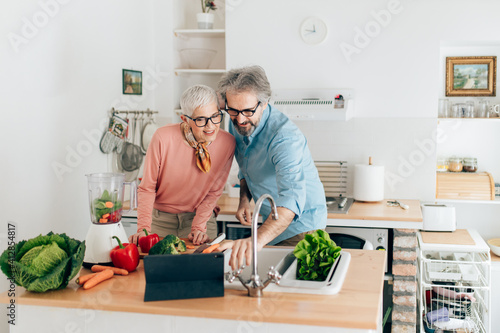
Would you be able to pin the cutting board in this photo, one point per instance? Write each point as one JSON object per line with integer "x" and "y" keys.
{"x": 188, "y": 244}
{"x": 457, "y": 237}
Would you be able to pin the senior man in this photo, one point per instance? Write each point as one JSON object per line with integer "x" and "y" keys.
{"x": 273, "y": 158}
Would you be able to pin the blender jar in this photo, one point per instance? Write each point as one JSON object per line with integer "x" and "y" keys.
{"x": 106, "y": 197}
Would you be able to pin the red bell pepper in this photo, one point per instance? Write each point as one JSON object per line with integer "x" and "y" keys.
{"x": 146, "y": 243}
{"x": 125, "y": 255}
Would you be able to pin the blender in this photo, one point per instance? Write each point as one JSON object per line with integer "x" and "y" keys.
{"x": 106, "y": 191}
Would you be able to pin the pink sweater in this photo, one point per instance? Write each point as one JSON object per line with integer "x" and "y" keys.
{"x": 173, "y": 183}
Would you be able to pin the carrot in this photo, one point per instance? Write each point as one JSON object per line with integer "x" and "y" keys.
{"x": 103, "y": 220}
{"x": 189, "y": 247}
{"x": 211, "y": 248}
{"x": 84, "y": 278}
{"x": 98, "y": 278}
{"x": 116, "y": 270}
{"x": 105, "y": 216}
{"x": 109, "y": 204}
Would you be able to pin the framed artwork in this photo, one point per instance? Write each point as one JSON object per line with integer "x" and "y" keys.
{"x": 471, "y": 76}
{"x": 132, "y": 82}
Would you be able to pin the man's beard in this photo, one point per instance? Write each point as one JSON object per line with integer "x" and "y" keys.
{"x": 244, "y": 131}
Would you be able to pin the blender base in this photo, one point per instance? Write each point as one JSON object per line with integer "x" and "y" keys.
{"x": 99, "y": 243}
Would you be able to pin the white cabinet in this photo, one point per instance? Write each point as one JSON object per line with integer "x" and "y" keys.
{"x": 454, "y": 286}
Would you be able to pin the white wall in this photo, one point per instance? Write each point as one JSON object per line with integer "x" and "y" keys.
{"x": 395, "y": 68}
{"x": 57, "y": 88}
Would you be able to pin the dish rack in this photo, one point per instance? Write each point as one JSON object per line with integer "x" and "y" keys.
{"x": 454, "y": 287}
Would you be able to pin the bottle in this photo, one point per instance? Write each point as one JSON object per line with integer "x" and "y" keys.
{"x": 455, "y": 164}
{"x": 470, "y": 164}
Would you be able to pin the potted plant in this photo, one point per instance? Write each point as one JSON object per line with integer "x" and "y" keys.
{"x": 205, "y": 18}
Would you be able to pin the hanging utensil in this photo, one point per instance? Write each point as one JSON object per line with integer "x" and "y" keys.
{"x": 131, "y": 156}
{"x": 147, "y": 133}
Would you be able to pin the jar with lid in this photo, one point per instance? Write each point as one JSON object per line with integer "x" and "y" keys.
{"x": 470, "y": 164}
{"x": 455, "y": 164}
{"x": 441, "y": 165}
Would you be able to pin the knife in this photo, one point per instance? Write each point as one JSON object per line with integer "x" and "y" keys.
{"x": 217, "y": 240}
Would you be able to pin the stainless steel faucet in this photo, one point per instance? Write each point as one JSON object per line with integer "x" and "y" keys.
{"x": 255, "y": 284}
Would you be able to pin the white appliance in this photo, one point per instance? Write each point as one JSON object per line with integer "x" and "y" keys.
{"x": 313, "y": 104}
{"x": 106, "y": 209}
{"x": 361, "y": 238}
{"x": 438, "y": 217}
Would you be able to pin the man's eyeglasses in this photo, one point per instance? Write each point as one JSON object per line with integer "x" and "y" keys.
{"x": 203, "y": 121}
{"x": 247, "y": 112}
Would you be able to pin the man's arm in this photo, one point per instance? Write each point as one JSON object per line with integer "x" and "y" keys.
{"x": 244, "y": 213}
{"x": 269, "y": 230}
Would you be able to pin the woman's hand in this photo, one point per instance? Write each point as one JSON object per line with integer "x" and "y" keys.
{"x": 198, "y": 237}
{"x": 134, "y": 239}
{"x": 244, "y": 213}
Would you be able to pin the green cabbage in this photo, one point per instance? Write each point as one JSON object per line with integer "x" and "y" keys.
{"x": 44, "y": 262}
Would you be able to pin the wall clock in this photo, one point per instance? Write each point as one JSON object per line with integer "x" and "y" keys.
{"x": 313, "y": 30}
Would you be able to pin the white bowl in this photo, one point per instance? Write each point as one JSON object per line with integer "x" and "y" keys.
{"x": 494, "y": 245}
{"x": 197, "y": 58}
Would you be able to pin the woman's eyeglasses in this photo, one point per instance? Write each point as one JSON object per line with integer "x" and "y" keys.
{"x": 203, "y": 121}
{"x": 247, "y": 112}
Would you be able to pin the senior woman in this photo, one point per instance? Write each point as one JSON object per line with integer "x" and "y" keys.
{"x": 185, "y": 170}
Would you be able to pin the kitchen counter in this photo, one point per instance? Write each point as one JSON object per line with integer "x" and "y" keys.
{"x": 361, "y": 214}
{"x": 357, "y": 305}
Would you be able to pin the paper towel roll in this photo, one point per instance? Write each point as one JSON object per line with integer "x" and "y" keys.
{"x": 368, "y": 182}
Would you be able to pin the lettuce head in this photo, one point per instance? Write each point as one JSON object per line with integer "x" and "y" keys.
{"x": 44, "y": 262}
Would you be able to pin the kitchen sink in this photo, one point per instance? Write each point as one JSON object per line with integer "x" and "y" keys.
{"x": 284, "y": 261}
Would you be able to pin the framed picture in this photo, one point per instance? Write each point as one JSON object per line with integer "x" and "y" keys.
{"x": 132, "y": 82}
{"x": 471, "y": 76}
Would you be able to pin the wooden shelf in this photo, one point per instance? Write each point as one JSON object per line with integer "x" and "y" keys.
{"x": 210, "y": 33}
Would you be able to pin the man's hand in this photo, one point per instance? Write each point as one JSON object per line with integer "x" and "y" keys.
{"x": 198, "y": 237}
{"x": 242, "y": 253}
{"x": 244, "y": 213}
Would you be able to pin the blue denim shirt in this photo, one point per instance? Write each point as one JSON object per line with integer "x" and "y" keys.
{"x": 275, "y": 159}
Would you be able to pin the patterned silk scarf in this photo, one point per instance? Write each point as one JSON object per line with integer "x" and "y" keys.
{"x": 202, "y": 156}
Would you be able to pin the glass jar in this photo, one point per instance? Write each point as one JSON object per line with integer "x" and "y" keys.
{"x": 455, "y": 164}
{"x": 441, "y": 165}
{"x": 469, "y": 164}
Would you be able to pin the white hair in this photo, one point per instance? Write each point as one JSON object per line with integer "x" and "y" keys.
{"x": 197, "y": 96}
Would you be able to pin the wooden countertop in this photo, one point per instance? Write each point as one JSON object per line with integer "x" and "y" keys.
{"x": 377, "y": 211}
{"x": 357, "y": 305}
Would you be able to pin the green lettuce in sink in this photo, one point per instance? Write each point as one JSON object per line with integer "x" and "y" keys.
{"x": 315, "y": 255}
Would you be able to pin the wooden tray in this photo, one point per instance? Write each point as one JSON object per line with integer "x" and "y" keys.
{"x": 465, "y": 186}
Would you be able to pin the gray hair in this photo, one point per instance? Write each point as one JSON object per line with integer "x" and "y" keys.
{"x": 251, "y": 78}
{"x": 197, "y": 96}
